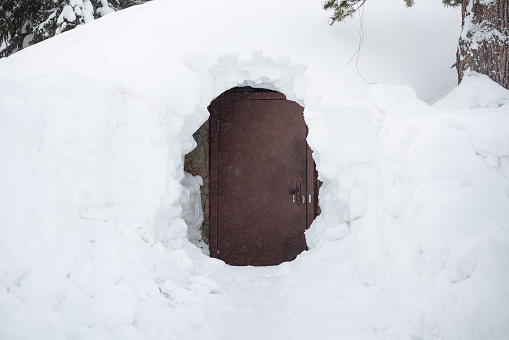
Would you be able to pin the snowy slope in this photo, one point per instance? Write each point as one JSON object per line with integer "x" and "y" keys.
{"x": 413, "y": 240}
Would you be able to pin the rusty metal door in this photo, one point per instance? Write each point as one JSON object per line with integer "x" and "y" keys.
{"x": 262, "y": 190}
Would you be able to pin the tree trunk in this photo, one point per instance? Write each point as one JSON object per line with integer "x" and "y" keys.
{"x": 484, "y": 42}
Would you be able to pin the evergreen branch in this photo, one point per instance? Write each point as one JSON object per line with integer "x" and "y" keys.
{"x": 43, "y": 18}
{"x": 343, "y": 9}
{"x": 451, "y": 3}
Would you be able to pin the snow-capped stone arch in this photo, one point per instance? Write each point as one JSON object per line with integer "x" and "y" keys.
{"x": 342, "y": 196}
{"x": 229, "y": 72}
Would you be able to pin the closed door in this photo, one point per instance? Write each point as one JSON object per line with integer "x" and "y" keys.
{"x": 262, "y": 192}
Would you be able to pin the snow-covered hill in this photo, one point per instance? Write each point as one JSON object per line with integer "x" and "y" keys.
{"x": 413, "y": 239}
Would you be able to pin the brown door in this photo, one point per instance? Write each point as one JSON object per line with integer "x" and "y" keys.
{"x": 261, "y": 190}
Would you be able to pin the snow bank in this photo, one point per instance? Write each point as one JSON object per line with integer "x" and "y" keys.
{"x": 412, "y": 241}
{"x": 442, "y": 198}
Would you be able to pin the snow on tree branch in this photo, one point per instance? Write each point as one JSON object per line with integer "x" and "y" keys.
{"x": 26, "y": 22}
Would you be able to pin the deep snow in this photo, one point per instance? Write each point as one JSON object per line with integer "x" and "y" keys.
{"x": 413, "y": 239}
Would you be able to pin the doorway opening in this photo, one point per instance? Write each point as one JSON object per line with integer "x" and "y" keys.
{"x": 259, "y": 191}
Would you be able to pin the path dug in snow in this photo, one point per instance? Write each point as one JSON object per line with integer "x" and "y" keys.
{"x": 310, "y": 298}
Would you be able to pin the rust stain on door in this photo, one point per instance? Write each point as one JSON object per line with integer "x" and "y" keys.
{"x": 262, "y": 183}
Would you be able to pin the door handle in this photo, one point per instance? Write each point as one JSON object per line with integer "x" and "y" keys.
{"x": 293, "y": 191}
{"x": 296, "y": 193}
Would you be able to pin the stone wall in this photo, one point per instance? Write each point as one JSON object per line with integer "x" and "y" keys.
{"x": 197, "y": 162}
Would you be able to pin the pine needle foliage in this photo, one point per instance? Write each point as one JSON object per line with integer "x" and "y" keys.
{"x": 26, "y": 22}
{"x": 343, "y": 9}
{"x": 16, "y": 18}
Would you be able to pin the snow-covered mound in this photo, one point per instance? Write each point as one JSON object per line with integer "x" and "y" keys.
{"x": 413, "y": 239}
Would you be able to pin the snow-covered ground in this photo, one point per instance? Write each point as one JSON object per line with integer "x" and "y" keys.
{"x": 413, "y": 239}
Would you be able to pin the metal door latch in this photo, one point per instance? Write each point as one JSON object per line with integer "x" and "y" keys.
{"x": 296, "y": 193}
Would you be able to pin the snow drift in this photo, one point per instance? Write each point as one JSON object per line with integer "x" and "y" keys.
{"x": 413, "y": 239}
